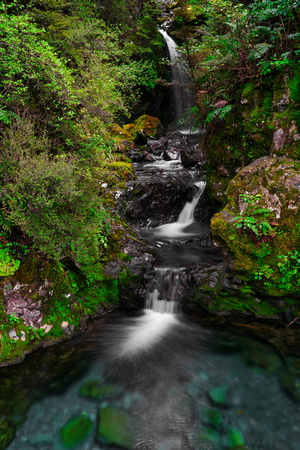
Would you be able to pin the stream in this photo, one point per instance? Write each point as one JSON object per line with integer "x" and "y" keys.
{"x": 158, "y": 379}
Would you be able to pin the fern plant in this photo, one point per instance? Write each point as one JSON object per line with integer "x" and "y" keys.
{"x": 5, "y": 224}
{"x": 219, "y": 113}
{"x": 7, "y": 116}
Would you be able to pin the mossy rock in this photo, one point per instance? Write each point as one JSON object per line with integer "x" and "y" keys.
{"x": 212, "y": 418}
{"x": 146, "y": 127}
{"x": 115, "y": 428}
{"x": 76, "y": 431}
{"x": 219, "y": 395}
{"x": 211, "y": 437}
{"x": 116, "y": 131}
{"x": 274, "y": 182}
{"x": 235, "y": 438}
{"x": 97, "y": 390}
{"x": 7, "y": 432}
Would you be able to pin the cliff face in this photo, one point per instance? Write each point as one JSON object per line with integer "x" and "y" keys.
{"x": 254, "y": 175}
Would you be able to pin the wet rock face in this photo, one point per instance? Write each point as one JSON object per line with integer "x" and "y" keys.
{"x": 275, "y": 184}
{"x": 154, "y": 200}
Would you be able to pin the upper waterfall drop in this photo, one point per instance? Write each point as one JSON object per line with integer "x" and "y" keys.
{"x": 182, "y": 99}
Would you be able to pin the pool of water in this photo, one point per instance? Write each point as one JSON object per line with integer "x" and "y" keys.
{"x": 187, "y": 385}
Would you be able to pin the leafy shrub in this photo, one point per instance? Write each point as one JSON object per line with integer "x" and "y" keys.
{"x": 8, "y": 265}
{"x": 53, "y": 199}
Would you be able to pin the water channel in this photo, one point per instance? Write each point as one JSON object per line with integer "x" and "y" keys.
{"x": 158, "y": 379}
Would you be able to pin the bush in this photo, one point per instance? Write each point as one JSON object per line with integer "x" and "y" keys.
{"x": 52, "y": 199}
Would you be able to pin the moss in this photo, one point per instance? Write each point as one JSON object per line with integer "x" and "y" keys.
{"x": 123, "y": 133}
{"x": 8, "y": 265}
{"x": 115, "y": 427}
{"x": 76, "y": 431}
{"x": 146, "y": 127}
{"x": 240, "y": 304}
{"x": 7, "y": 432}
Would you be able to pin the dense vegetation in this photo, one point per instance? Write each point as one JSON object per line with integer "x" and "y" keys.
{"x": 236, "y": 49}
{"x": 244, "y": 62}
{"x": 67, "y": 70}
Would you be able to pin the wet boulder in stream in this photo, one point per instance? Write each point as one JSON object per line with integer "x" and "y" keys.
{"x": 191, "y": 156}
{"x": 154, "y": 200}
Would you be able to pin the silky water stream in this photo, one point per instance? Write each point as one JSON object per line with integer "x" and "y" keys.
{"x": 159, "y": 380}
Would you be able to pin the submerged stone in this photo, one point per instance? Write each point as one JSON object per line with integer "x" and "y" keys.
{"x": 115, "y": 427}
{"x": 76, "y": 431}
{"x": 235, "y": 438}
{"x": 7, "y": 432}
{"x": 219, "y": 395}
{"x": 212, "y": 418}
{"x": 96, "y": 389}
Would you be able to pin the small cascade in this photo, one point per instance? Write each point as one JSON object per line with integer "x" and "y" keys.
{"x": 187, "y": 214}
{"x": 181, "y": 95}
{"x": 184, "y": 226}
{"x": 164, "y": 295}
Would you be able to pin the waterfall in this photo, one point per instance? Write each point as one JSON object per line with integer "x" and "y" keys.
{"x": 181, "y": 95}
{"x": 182, "y": 227}
{"x": 187, "y": 214}
{"x": 163, "y": 296}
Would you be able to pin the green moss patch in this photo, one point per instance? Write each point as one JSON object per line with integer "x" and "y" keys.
{"x": 7, "y": 432}
{"x": 115, "y": 428}
{"x": 76, "y": 431}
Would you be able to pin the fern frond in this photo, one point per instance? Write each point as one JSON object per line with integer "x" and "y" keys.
{"x": 7, "y": 116}
{"x": 259, "y": 50}
{"x": 4, "y": 223}
{"x": 211, "y": 116}
{"x": 224, "y": 111}
{"x": 218, "y": 112}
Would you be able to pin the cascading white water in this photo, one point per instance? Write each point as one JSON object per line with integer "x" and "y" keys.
{"x": 181, "y": 94}
{"x": 158, "y": 318}
{"x": 181, "y": 228}
{"x": 162, "y": 305}
{"x": 187, "y": 214}
{"x": 162, "y": 298}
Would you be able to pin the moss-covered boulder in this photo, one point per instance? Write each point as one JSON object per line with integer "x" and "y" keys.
{"x": 116, "y": 130}
{"x": 76, "y": 431}
{"x": 259, "y": 227}
{"x": 115, "y": 428}
{"x": 146, "y": 127}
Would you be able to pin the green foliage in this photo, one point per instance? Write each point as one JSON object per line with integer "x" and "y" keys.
{"x": 285, "y": 275}
{"x": 8, "y": 265}
{"x": 235, "y": 43}
{"x": 219, "y": 113}
{"x": 52, "y": 199}
{"x": 255, "y": 221}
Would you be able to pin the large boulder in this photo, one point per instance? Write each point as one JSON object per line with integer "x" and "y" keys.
{"x": 145, "y": 128}
{"x": 259, "y": 228}
{"x": 152, "y": 200}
